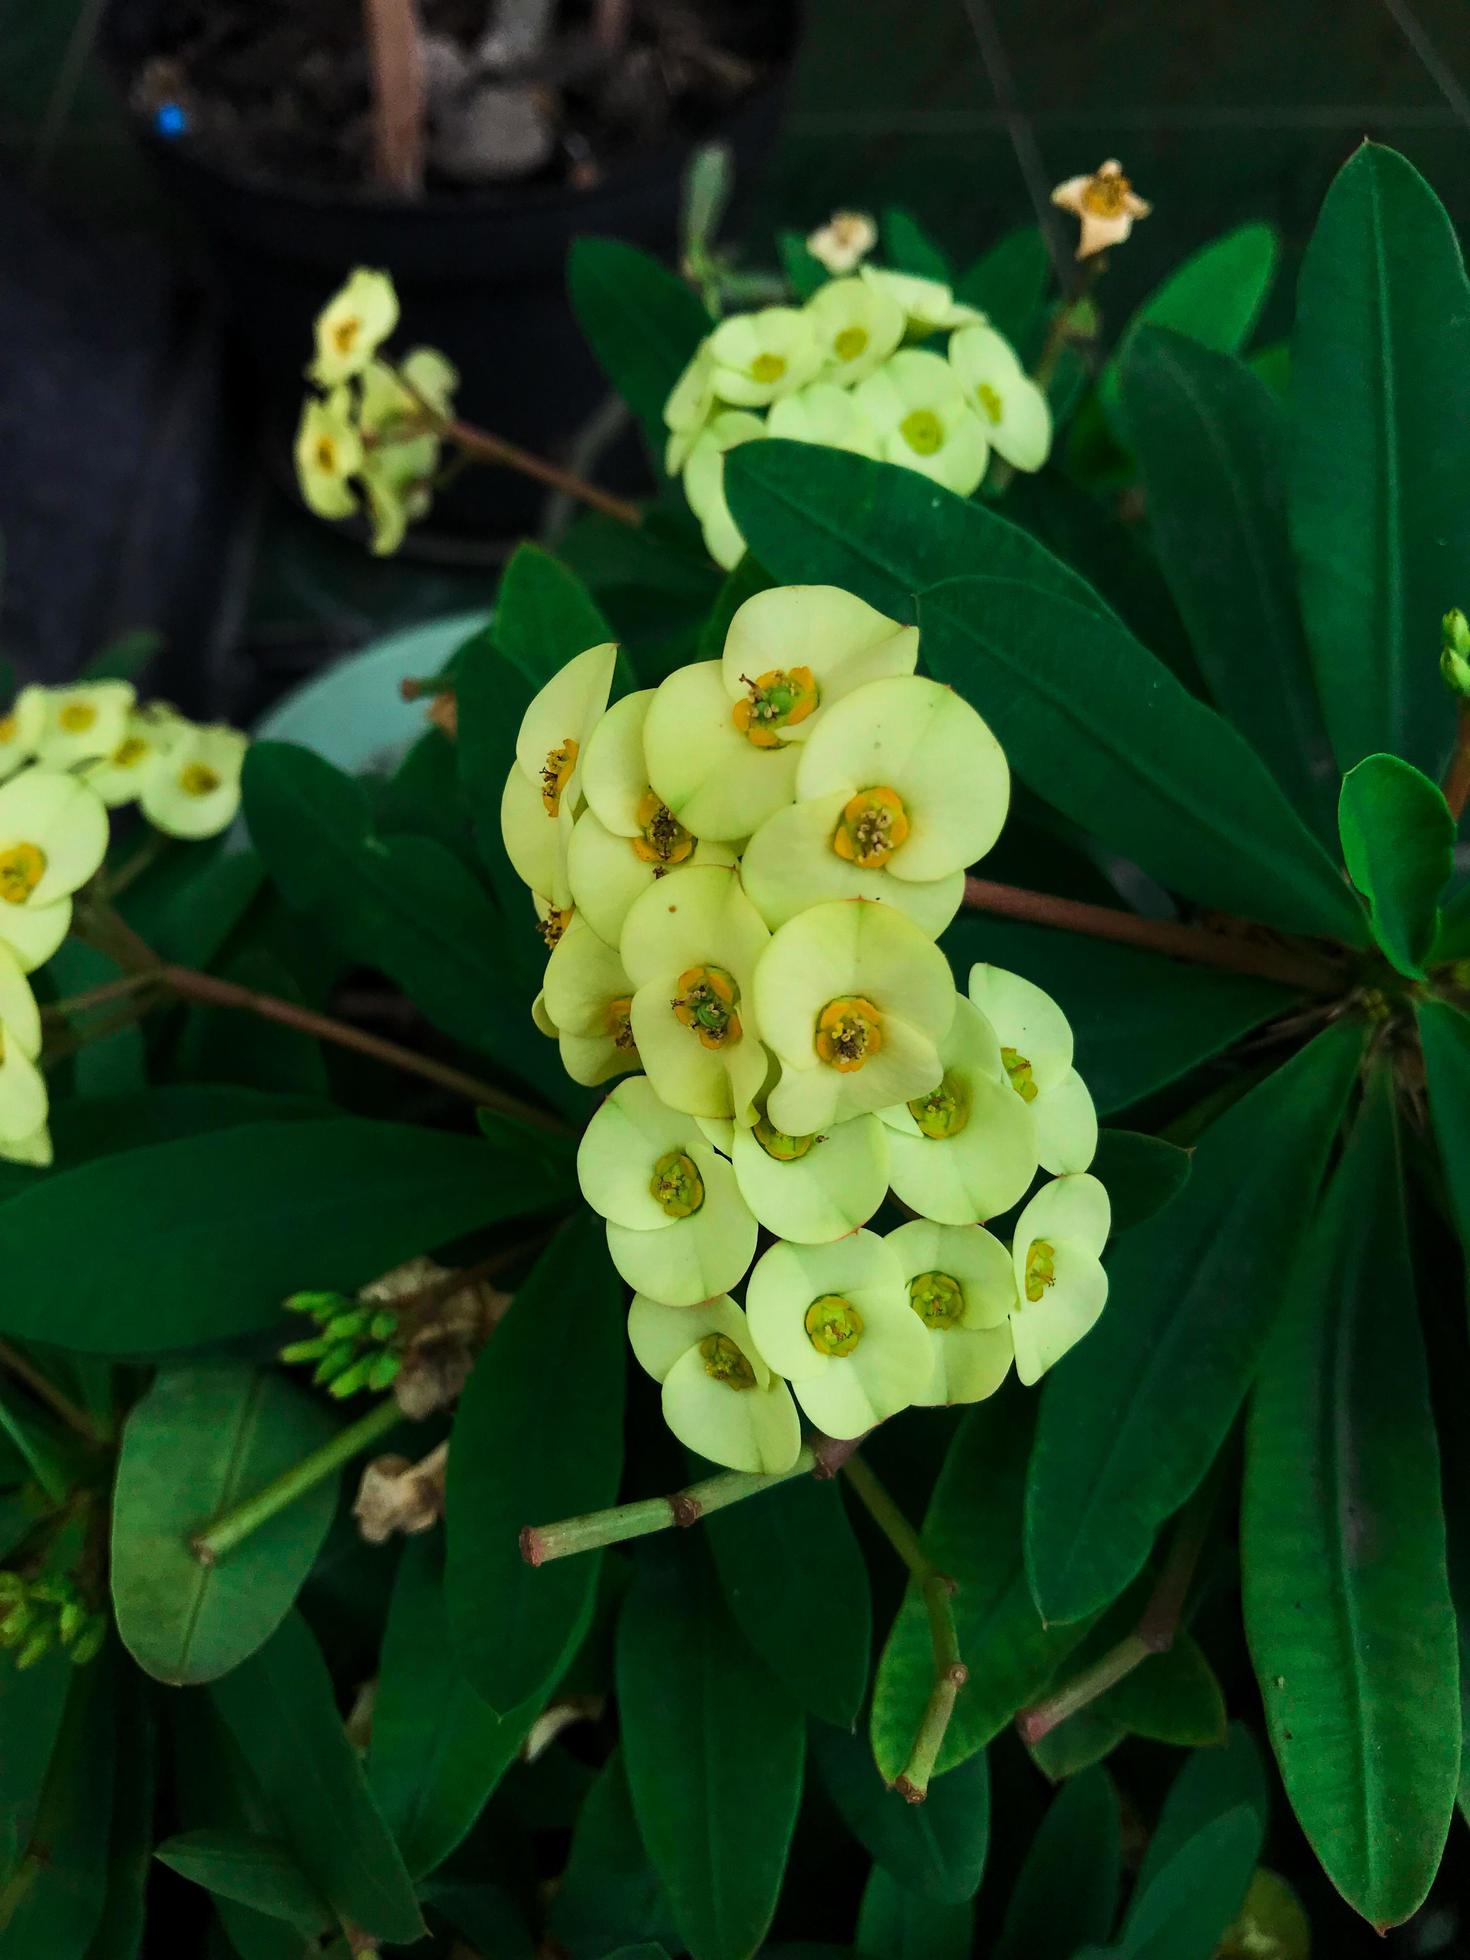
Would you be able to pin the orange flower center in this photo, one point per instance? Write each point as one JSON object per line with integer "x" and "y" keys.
{"x": 849, "y": 1033}
{"x": 663, "y": 839}
{"x": 706, "y": 1003}
{"x": 22, "y": 867}
{"x": 777, "y": 699}
{"x": 556, "y": 773}
{"x": 872, "y": 826}
{"x": 1106, "y": 194}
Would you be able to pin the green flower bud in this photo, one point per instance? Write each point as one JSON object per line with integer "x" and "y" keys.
{"x": 304, "y": 1351}
{"x": 352, "y": 1379}
{"x": 90, "y": 1641}
{"x": 70, "y": 1621}
{"x": 1454, "y": 659}
{"x": 347, "y": 1326}
{"x": 334, "y": 1361}
{"x": 318, "y": 1304}
{"x": 383, "y": 1371}
{"x": 383, "y": 1326}
{"x": 35, "y": 1649}
{"x": 15, "y": 1624}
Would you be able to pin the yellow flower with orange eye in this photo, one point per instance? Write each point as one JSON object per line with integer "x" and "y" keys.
{"x": 20, "y": 730}
{"x": 53, "y": 836}
{"x": 81, "y": 722}
{"x": 1106, "y": 203}
{"x": 544, "y": 784}
{"x": 193, "y": 788}
{"x": 352, "y": 326}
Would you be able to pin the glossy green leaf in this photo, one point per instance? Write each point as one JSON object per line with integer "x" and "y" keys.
{"x": 1346, "y": 1594}
{"x": 239, "y": 1218}
{"x": 124, "y": 658}
{"x": 280, "y": 1708}
{"x": 253, "y": 1871}
{"x": 538, "y": 1437}
{"x": 544, "y": 616}
{"x": 1171, "y": 1697}
{"x": 896, "y": 1924}
{"x": 53, "y": 1902}
{"x": 219, "y": 1044}
{"x": 747, "y": 579}
{"x": 1009, "y": 283}
{"x": 1211, "y": 1782}
{"x": 1132, "y": 1418}
{"x": 796, "y": 1583}
{"x": 188, "y": 906}
{"x": 713, "y": 1747}
{"x": 1140, "y": 1021}
{"x": 907, "y": 247}
{"x": 1092, "y": 722}
{"x": 642, "y": 321}
{"x": 804, "y": 273}
{"x": 204, "y": 1437}
{"x": 31, "y": 1709}
{"x": 1445, "y": 1035}
{"x": 823, "y": 517}
{"x": 1076, "y": 1745}
{"x": 972, "y": 1530}
{"x": 1182, "y": 1913}
{"x": 936, "y": 1847}
{"x": 120, "y": 1930}
{"x": 1215, "y": 298}
{"x": 437, "y": 1750}
{"x": 1211, "y": 445}
{"x": 1398, "y": 842}
{"x": 1380, "y": 371}
{"x": 1067, "y": 1890}
{"x": 609, "y": 1894}
{"x": 1142, "y": 1174}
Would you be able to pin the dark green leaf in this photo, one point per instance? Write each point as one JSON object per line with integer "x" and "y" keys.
{"x": 1076, "y": 1745}
{"x": 1133, "y": 1417}
{"x": 1194, "y": 1898}
{"x": 1067, "y": 1890}
{"x": 803, "y": 272}
{"x": 643, "y": 323}
{"x": 713, "y": 1746}
{"x": 539, "y": 1436}
{"x": 897, "y": 1925}
{"x": 31, "y": 1709}
{"x": 124, "y": 658}
{"x": 1008, "y": 283}
{"x": 219, "y": 1044}
{"x": 936, "y": 1847}
{"x": 908, "y": 248}
{"x": 254, "y": 1871}
{"x": 120, "y": 1931}
{"x": 1215, "y": 297}
{"x": 187, "y": 907}
{"x": 238, "y": 1219}
{"x": 1142, "y": 1174}
{"x": 544, "y": 615}
{"x": 204, "y": 1437}
{"x": 1445, "y": 1034}
{"x": 405, "y": 906}
{"x": 1398, "y": 842}
{"x": 609, "y": 1894}
{"x": 747, "y": 579}
{"x": 795, "y": 1580}
{"x": 279, "y": 1707}
{"x": 823, "y": 517}
{"x": 1095, "y": 725}
{"x": 1211, "y": 444}
{"x": 1347, "y": 1600}
{"x": 437, "y": 1750}
{"x": 1380, "y": 371}
{"x": 1171, "y": 1697}
{"x": 1211, "y": 1782}
{"x": 972, "y": 1531}
{"x": 1140, "y": 1021}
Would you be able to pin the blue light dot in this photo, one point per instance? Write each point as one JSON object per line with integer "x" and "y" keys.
{"x": 170, "y": 120}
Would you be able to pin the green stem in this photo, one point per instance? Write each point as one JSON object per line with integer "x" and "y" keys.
{"x": 936, "y": 1589}
{"x": 235, "y": 1525}
{"x": 541, "y": 1543}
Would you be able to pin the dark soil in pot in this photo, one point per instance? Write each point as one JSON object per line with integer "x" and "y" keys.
{"x": 259, "y": 115}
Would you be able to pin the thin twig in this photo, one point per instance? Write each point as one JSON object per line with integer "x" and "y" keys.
{"x": 488, "y": 448}
{"x": 1435, "y": 66}
{"x": 1023, "y": 139}
{"x": 396, "y": 58}
{"x": 102, "y": 995}
{"x": 1265, "y": 960}
{"x": 936, "y": 1589}
{"x": 1457, "y": 775}
{"x": 45, "y": 1390}
{"x": 1157, "y": 1626}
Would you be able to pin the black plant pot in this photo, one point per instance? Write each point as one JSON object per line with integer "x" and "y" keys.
{"x": 481, "y": 275}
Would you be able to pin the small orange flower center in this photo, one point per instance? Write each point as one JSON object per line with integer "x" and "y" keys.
{"x": 723, "y": 1362}
{"x": 850, "y": 343}
{"x": 767, "y": 368}
{"x": 77, "y": 717}
{"x": 777, "y": 699}
{"x": 129, "y": 753}
{"x": 706, "y": 1003}
{"x": 990, "y": 402}
{"x": 849, "y": 1033}
{"x": 22, "y": 867}
{"x": 198, "y": 779}
{"x": 556, "y": 773}
{"x": 1106, "y": 194}
{"x": 872, "y": 826}
{"x": 620, "y": 1024}
{"x": 663, "y": 839}
{"x": 326, "y": 455}
{"x": 345, "y": 332}
{"x": 1018, "y": 1068}
{"x": 1041, "y": 1269}
{"x": 554, "y": 924}
{"x": 9, "y": 728}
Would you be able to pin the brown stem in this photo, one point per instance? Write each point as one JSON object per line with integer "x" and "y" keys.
{"x": 488, "y": 448}
{"x": 1265, "y": 960}
{"x": 101, "y": 996}
{"x": 936, "y": 1589}
{"x": 46, "y": 1391}
{"x": 1158, "y": 1624}
{"x": 396, "y": 57}
{"x": 207, "y": 987}
{"x": 1457, "y": 776}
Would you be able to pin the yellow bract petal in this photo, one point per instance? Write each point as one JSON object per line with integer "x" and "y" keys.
{"x": 353, "y": 325}
{"x": 194, "y": 791}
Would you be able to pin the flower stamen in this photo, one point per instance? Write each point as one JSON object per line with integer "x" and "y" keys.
{"x": 779, "y": 698}
{"x": 873, "y": 825}
{"x": 849, "y": 1032}
{"x": 706, "y": 1002}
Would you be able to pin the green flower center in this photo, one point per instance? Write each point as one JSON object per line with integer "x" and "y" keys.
{"x": 723, "y": 1362}
{"x": 676, "y": 1185}
{"x": 776, "y": 1143}
{"x": 923, "y": 431}
{"x": 990, "y": 401}
{"x": 198, "y": 779}
{"x": 1041, "y": 1268}
{"x": 944, "y": 1112}
{"x": 777, "y": 699}
{"x": 1018, "y": 1068}
{"x": 833, "y": 1325}
{"x": 706, "y": 1003}
{"x": 851, "y": 342}
{"x": 767, "y": 368}
{"x": 22, "y": 868}
{"x": 938, "y": 1299}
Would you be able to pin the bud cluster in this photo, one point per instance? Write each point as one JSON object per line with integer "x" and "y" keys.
{"x": 40, "y": 1614}
{"x": 742, "y": 875}
{"x": 354, "y": 1347}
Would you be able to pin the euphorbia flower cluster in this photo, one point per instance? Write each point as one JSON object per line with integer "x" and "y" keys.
{"x": 743, "y": 874}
